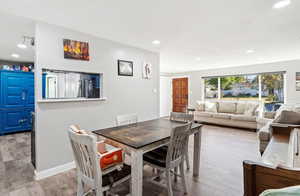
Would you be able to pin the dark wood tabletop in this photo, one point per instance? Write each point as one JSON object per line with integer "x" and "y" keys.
{"x": 143, "y": 133}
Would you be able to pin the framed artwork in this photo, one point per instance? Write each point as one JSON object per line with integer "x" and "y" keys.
{"x": 125, "y": 68}
{"x": 147, "y": 70}
{"x": 297, "y": 81}
{"x": 76, "y": 50}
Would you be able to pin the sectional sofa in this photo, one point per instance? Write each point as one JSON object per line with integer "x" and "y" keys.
{"x": 269, "y": 122}
{"x": 241, "y": 114}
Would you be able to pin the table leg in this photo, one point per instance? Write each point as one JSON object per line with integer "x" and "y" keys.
{"x": 136, "y": 173}
{"x": 197, "y": 149}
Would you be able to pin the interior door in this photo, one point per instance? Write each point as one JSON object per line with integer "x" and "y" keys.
{"x": 180, "y": 94}
{"x": 13, "y": 90}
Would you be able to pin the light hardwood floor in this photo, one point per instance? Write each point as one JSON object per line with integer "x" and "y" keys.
{"x": 221, "y": 173}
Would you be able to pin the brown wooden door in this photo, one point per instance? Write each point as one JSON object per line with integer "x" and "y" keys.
{"x": 180, "y": 94}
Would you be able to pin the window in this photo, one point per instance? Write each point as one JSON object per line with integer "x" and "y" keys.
{"x": 240, "y": 87}
{"x": 272, "y": 90}
{"x": 267, "y": 87}
{"x": 211, "y": 88}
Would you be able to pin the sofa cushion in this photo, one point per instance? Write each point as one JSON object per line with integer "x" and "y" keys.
{"x": 283, "y": 108}
{"x": 204, "y": 114}
{"x": 200, "y": 106}
{"x": 296, "y": 108}
{"x": 221, "y": 115}
{"x": 250, "y": 109}
{"x": 243, "y": 117}
{"x": 226, "y": 107}
{"x": 211, "y": 107}
{"x": 241, "y": 107}
{"x": 288, "y": 117}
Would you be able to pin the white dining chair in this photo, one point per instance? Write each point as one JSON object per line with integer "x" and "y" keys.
{"x": 89, "y": 172}
{"x": 183, "y": 117}
{"x": 169, "y": 159}
{"x": 127, "y": 119}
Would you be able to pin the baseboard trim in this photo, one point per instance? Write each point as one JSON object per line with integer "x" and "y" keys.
{"x": 53, "y": 171}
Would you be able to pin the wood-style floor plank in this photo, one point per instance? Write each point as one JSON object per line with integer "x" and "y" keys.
{"x": 221, "y": 172}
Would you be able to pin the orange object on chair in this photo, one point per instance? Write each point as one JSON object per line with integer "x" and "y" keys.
{"x": 111, "y": 159}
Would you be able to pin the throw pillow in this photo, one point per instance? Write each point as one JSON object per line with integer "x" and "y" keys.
{"x": 211, "y": 107}
{"x": 200, "y": 106}
{"x": 241, "y": 107}
{"x": 250, "y": 109}
{"x": 288, "y": 117}
{"x": 226, "y": 107}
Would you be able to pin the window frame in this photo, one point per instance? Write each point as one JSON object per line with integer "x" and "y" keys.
{"x": 219, "y": 97}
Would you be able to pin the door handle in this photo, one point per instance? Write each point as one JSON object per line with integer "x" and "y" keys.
{"x": 22, "y": 121}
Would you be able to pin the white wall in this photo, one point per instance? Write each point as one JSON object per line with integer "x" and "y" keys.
{"x": 165, "y": 95}
{"x": 291, "y": 67}
{"x": 124, "y": 94}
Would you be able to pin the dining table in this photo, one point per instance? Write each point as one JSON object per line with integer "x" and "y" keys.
{"x": 142, "y": 137}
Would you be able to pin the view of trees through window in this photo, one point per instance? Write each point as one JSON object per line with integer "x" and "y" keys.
{"x": 247, "y": 87}
{"x": 272, "y": 90}
{"x": 240, "y": 87}
{"x": 211, "y": 88}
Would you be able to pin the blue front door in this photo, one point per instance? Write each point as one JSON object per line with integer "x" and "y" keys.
{"x": 13, "y": 90}
{"x": 17, "y": 101}
{"x": 17, "y": 89}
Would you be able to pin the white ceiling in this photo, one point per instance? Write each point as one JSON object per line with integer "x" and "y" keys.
{"x": 12, "y": 30}
{"x": 217, "y": 31}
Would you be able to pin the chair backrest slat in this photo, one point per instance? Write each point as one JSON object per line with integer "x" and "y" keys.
{"x": 178, "y": 142}
{"x": 127, "y": 119}
{"x": 85, "y": 155}
{"x": 181, "y": 117}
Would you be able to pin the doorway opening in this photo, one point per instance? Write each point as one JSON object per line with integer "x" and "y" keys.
{"x": 17, "y": 100}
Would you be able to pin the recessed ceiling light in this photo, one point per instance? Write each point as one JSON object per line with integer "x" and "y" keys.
{"x": 281, "y": 4}
{"x": 156, "y": 42}
{"x": 249, "y": 51}
{"x": 15, "y": 55}
{"x": 197, "y": 58}
{"x": 22, "y": 46}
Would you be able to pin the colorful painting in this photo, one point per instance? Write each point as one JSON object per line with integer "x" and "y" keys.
{"x": 76, "y": 50}
{"x": 147, "y": 70}
{"x": 125, "y": 68}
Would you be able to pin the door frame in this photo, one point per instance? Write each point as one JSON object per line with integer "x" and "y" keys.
{"x": 189, "y": 88}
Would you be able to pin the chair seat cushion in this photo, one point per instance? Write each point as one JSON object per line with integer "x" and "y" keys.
{"x": 157, "y": 157}
{"x": 116, "y": 175}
